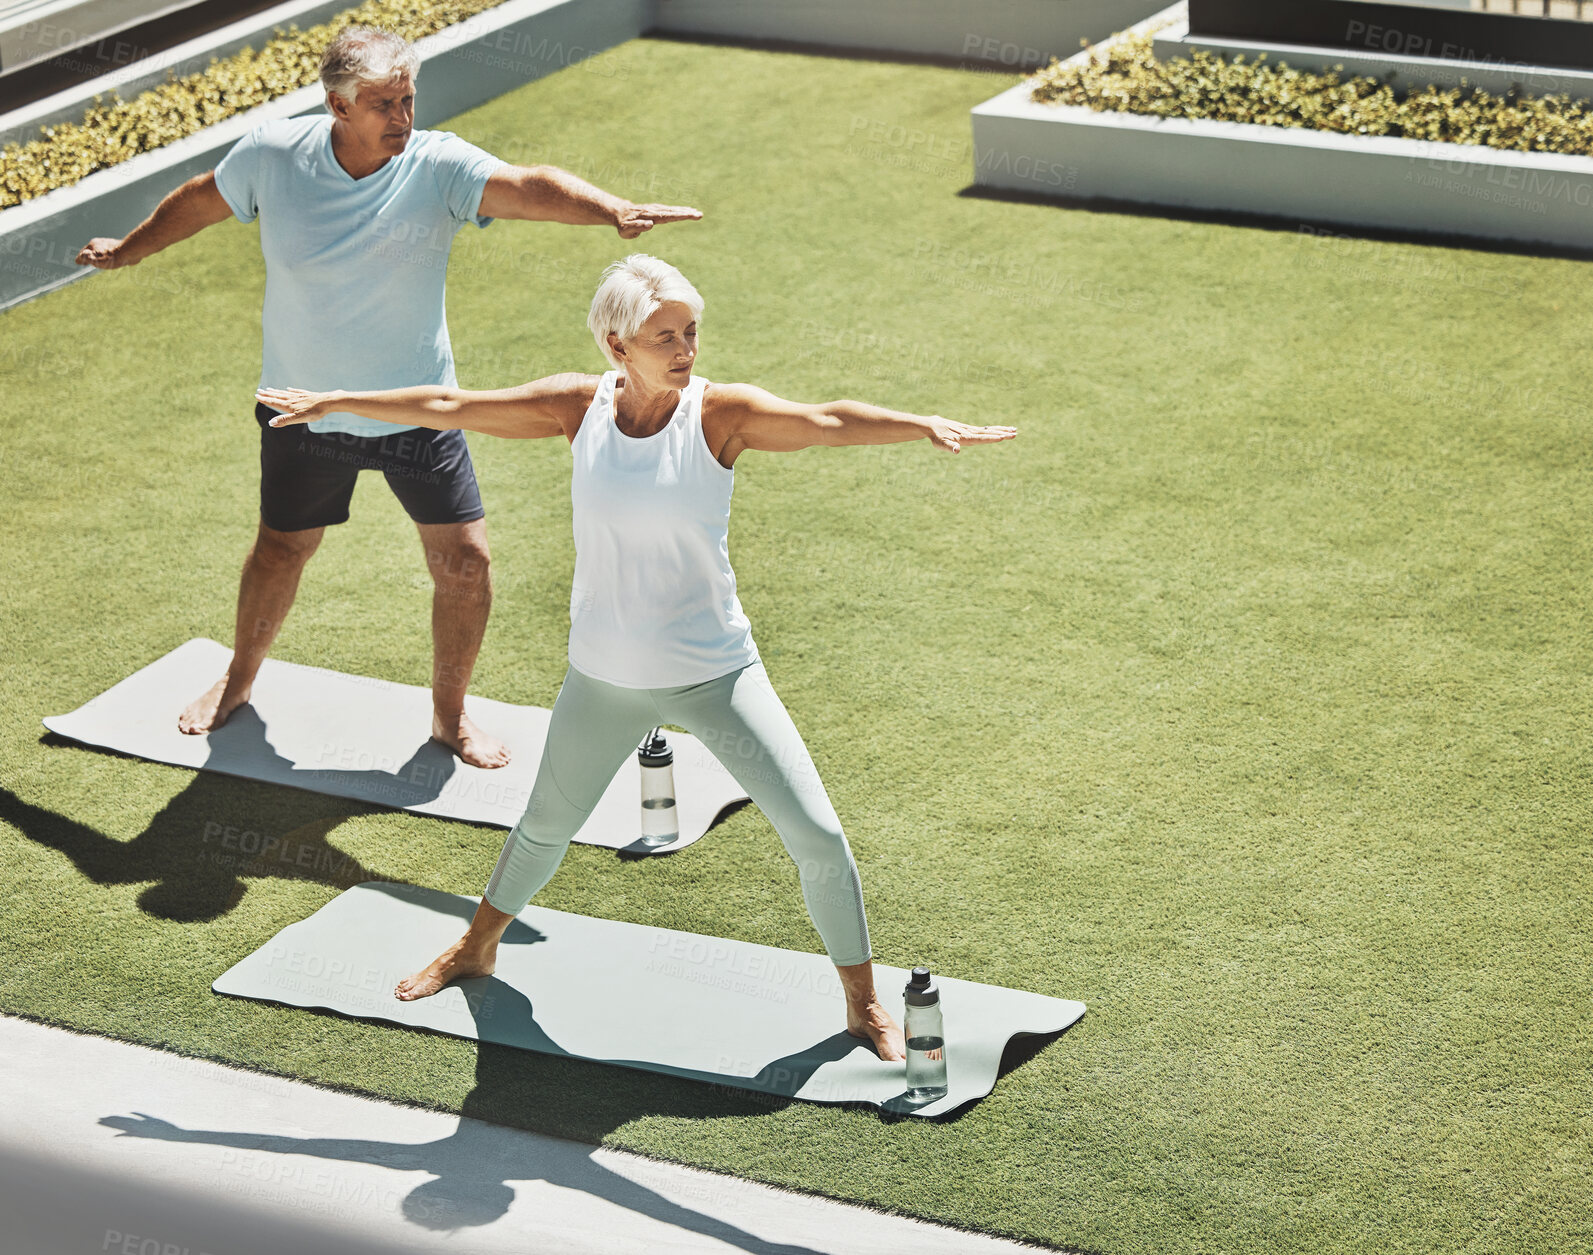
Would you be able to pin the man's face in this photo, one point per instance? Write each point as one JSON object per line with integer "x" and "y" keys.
{"x": 383, "y": 115}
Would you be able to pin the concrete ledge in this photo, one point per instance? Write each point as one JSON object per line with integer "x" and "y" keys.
{"x": 22, "y": 125}
{"x": 1304, "y": 175}
{"x": 1003, "y": 34}
{"x": 462, "y": 67}
{"x": 36, "y": 29}
{"x": 1403, "y": 73}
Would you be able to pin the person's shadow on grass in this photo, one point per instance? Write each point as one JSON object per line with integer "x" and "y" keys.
{"x": 221, "y": 830}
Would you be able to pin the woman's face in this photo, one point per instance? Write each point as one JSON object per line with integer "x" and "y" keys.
{"x": 660, "y": 355}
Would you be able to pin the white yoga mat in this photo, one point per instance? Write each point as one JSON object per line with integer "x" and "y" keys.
{"x": 357, "y": 737}
{"x": 725, "y": 1012}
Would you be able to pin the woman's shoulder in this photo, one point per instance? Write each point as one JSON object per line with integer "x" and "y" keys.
{"x": 564, "y": 397}
{"x": 729, "y": 396}
{"x": 571, "y": 388}
{"x": 738, "y": 399}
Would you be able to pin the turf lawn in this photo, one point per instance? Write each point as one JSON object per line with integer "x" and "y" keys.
{"x": 1245, "y": 697}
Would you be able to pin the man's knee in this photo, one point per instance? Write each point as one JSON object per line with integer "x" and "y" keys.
{"x": 284, "y": 551}
{"x": 464, "y": 562}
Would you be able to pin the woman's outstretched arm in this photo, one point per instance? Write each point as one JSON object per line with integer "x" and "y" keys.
{"x": 552, "y": 406}
{"x": 739, "y": 416}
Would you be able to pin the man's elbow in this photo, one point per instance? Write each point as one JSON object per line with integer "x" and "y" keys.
{"x": 445, "y": 403}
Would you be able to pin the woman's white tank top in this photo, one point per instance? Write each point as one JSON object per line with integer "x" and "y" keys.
{"x": 653, "y": 603}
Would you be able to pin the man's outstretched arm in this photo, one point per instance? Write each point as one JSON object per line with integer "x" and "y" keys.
{"x": 188, "y": 210}
{"x": 548, "y": 194}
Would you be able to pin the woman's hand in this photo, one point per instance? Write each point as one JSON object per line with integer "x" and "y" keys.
{"x": 297, "y": 405}
{"x": 944, "y": 434}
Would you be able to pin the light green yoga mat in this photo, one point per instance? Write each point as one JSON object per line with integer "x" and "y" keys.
{"x": 725, "y": 1012}
{"x": 359, "y": 737}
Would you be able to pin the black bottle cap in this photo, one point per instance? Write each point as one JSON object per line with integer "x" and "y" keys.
{"x": 921, "y": 990}
{"x": 655, "y": 751}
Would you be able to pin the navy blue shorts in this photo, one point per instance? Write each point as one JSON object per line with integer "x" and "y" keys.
{"x": 307, "y": 477}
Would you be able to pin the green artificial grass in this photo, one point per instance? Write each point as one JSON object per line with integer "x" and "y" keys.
{"x": 1245, "y": 697}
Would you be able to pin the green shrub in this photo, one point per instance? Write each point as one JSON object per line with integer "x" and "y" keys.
{"x": 1124, "y": 75}
{"x": 111, "y": 133}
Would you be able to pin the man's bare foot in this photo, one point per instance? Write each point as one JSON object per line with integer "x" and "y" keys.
{"x": 457, "y": 962}
{"x": 476, "y": 747}
{"x": 214, "y": 708}
{"x": 874, "y": 1023}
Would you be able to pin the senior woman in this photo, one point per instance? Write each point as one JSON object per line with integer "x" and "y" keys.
{"x": 657, "y": 633}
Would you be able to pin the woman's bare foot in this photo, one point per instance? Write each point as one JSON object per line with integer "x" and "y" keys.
{"x": 214, "y": 708}
{"x": 865, "y": 1017}
{"x": 459, "y": 961}
{"x": 460, "y": 734}
{"x": 874, "y": 1023}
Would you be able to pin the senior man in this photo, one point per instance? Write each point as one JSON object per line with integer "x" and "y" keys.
{"x": 357, "y": 213}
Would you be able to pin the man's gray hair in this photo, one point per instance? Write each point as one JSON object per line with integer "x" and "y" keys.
{"x": 366, "y": 54}
{"x": 630, "y": 293}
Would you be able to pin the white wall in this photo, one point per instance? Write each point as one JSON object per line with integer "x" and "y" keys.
{"x": 1003, "y": 34}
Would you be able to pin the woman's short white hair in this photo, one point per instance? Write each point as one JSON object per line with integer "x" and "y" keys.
{"x": 366, "y": 54}
{"x": 630, "y": 293}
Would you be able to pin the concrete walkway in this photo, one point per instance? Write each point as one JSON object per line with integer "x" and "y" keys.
{"x": 110, "y": 1147}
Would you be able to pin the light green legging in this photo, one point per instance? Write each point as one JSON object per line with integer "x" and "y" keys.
{"x": 745, "y": 725}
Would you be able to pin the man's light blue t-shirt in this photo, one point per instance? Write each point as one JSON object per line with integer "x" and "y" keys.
{"x": 354, "y": 267}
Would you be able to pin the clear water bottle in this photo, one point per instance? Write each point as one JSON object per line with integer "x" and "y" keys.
{"x": 660, "y": 819}
{"x": 926, "y": 1039}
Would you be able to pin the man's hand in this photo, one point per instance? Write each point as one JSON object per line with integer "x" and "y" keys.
{"x": 548, "y": 194}
{"x": 195, "y": 205}
{"x": 103, "y": 253}
{"x": 634, "y": 219}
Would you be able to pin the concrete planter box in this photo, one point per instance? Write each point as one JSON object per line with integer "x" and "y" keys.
{"x": 1293, "y": 173}
{"x": 462, "y": 67}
